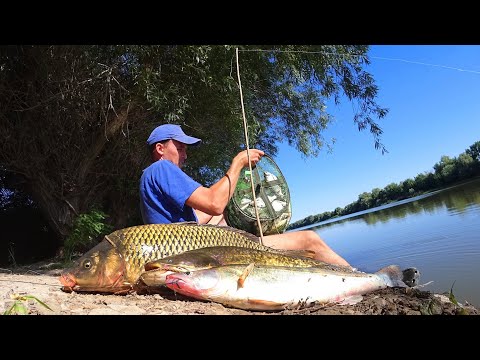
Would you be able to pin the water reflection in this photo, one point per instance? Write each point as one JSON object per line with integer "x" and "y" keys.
{"x": 455, "y": 199}
{"x": 438, "y": 233}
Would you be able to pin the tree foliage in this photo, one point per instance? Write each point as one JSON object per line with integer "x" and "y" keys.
{"x": 74, "y": 119}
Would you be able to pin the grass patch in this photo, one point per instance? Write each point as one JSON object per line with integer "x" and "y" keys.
{"x": 21, "y": 306}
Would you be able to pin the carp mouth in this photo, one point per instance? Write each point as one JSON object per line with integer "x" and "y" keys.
{"x": 67, "y": 281}
{"x": 70, "y": 285}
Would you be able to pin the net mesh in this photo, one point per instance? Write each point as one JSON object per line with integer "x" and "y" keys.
{"x": 272, "y": 197}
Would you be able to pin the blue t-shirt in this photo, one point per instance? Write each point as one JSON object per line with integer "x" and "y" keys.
{"x": 164, "y": 188}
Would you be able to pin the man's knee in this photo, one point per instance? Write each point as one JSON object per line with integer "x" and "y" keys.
{"x": 312, "y": 239}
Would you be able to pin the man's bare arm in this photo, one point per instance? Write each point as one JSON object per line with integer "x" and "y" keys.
{"x": 214, "y": 199}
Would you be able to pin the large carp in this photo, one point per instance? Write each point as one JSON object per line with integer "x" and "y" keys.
{"x": 265, "y": 287}
{"x": 115, "y": 264}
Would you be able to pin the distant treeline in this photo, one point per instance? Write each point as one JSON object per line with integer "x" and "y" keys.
{"x": 447, "y": 172}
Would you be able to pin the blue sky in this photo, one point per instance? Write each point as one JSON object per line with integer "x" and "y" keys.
{"x": 434, "y": 110}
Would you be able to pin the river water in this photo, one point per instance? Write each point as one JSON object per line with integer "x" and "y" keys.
{"x": 438, "y": 233}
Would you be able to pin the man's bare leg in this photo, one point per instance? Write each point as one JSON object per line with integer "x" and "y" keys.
{"x": 305, "y": 240}
{"x": 296, "y": 240}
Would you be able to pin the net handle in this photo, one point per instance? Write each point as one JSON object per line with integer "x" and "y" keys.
{"x": 248, "y": 152}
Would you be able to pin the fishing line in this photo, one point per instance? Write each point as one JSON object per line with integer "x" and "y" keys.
{"x": 421, "y": 63}
{"x": 248, "y": 152}
{"x": 357, "y": 55}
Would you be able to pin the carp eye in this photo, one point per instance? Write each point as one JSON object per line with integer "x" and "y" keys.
{"x": 87, "y": 264}
{"x": 187, "y": 272}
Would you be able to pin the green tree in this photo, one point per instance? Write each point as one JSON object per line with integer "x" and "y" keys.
{"x": 364, "y": 201}
{"x": 474, "y": 151}
{"x": 445, "y": 170}
{"x": 465, "y": 165}
{"x": 375, "y": 197}
{"x": 74, "y": 119}
{"x": 392, "y": 192}
{"x": 408, "y": 187}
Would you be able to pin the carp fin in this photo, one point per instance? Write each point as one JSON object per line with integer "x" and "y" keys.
{"x": 248, "y": 235}
{"x": 110, "y": 241}
{"x": 265, "y": 305}
{"x": 153, "y": 265}
{"x": 394, "y": 276}
{"x": 411, "y": 276}
{"x": 351, "y": 300}
{"x": 186, "y": 223}
{"x": 243, "y": 276}
{"x": 309, "y": 254}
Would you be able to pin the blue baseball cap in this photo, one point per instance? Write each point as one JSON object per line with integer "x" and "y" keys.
{"x": 171, "y": 131}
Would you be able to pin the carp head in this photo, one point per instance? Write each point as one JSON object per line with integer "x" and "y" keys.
{"x": 101, "y": 269}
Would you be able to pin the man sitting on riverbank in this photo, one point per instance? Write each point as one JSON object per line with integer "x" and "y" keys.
{"x": 169, "y": 195}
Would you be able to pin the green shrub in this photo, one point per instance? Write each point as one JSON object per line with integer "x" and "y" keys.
{"x": 87, "y": 229}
